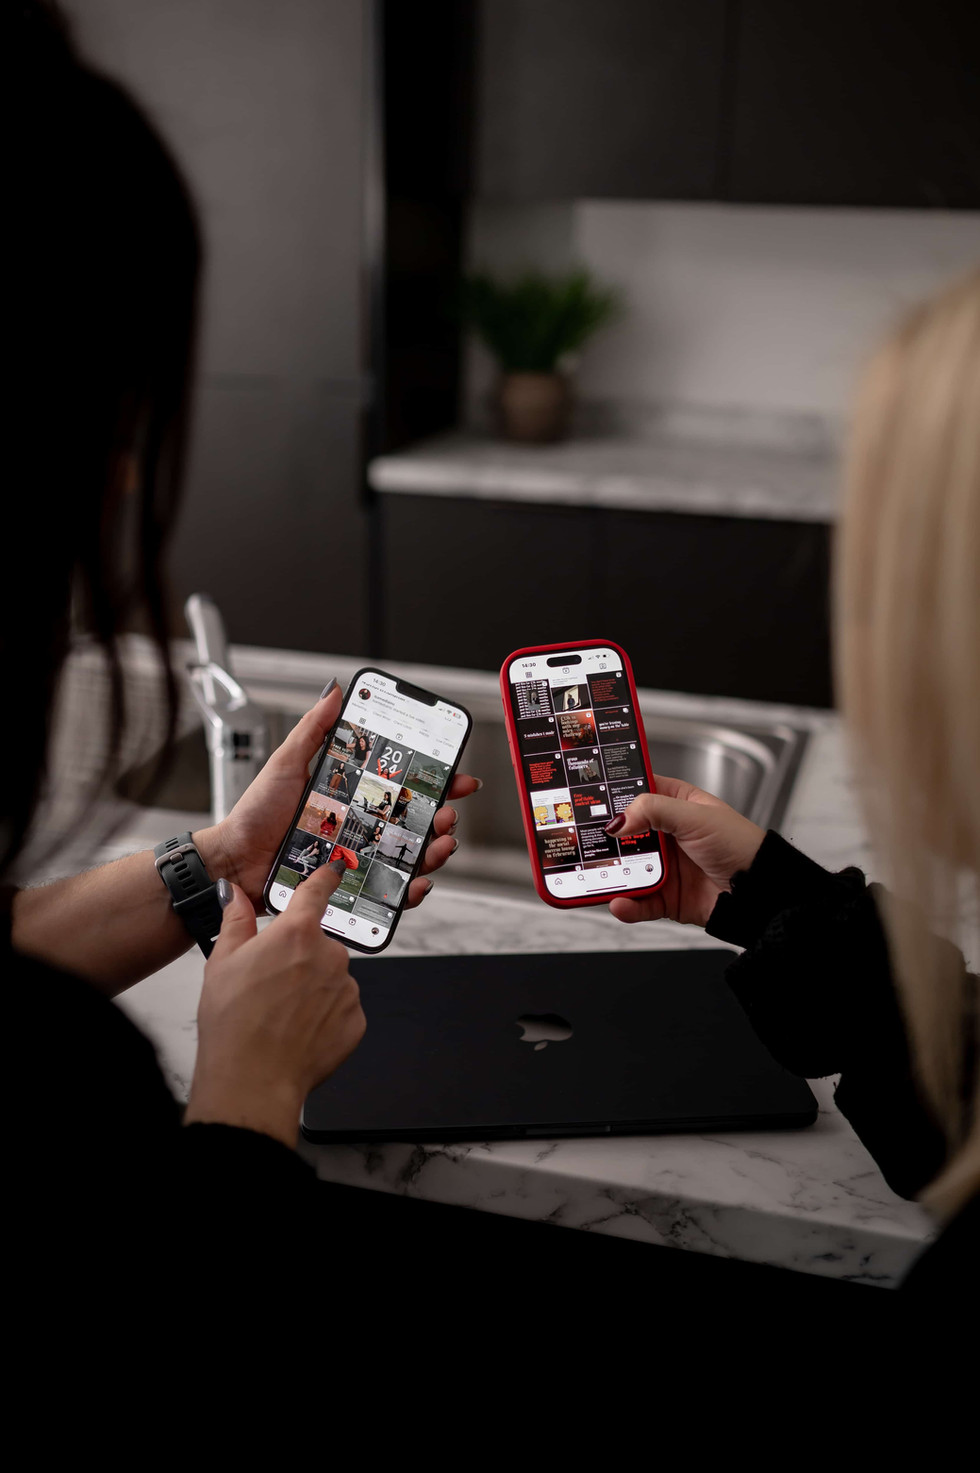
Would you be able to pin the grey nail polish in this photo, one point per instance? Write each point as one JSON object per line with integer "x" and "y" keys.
{"x": 328, "y": 688}
{"x": 338, "y": 865}
{"x": 226, "y": 893}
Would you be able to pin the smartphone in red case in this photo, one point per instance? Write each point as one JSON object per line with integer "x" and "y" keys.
{"x": 580, "y": 758}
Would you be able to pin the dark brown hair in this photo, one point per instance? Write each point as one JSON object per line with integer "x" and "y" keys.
{"x": 102, "y": 301}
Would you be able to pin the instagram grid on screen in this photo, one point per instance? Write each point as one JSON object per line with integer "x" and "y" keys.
{"x": 580, "y": 759}
{"x": 385, "y": 769}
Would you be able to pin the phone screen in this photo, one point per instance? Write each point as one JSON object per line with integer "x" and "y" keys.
{"x": 374, "y": 794}
{"x": 582, "y": 762}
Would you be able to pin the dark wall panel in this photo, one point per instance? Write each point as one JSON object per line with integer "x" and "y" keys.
{"x": 844, "y": 103}
{"x": 265, "y": 107}
{"x": 578, "y": 98}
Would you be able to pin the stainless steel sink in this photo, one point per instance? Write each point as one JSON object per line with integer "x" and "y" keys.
{"x": 753, "y": 767}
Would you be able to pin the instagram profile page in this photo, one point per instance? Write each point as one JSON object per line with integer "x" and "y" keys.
{"x": 582, "y": 763}
{"x": 373, "y": 800}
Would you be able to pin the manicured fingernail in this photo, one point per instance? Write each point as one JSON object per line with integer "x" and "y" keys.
{"x": 479, "y": 784}
{"x": 426, "y": 891}
{"x": 328, "y": 688}
{"x": 616, "y": 824}
{"x": 455, "y": 846}
{"x": 226, "y": 893}
{"x": 452, "y": 827}
{"x": 338, "y": 865}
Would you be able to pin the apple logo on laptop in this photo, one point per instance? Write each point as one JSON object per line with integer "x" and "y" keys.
{"x": 540, "y": 1029}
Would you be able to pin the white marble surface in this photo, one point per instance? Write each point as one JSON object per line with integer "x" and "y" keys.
{"x": 810, "y": 1200}
{"x": 632, "y": 474}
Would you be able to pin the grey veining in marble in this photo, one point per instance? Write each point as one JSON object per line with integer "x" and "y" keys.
{"x": 669, "y": 474}
{"x": 810, "y": 1200}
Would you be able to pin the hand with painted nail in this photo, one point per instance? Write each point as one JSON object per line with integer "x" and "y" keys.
{"x": 244, "y": 845}
{"x": 711, "y": 843}
{"x": 279, "y": 1012}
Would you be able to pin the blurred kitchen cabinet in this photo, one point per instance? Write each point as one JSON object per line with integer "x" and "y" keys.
{"x": 579, "y": 99}
{"x": 272, "y": 528}
{"x": 727, "y": 606}
{"x": 465, "y": 582}
{"x": 820, "y": 102}
{"x": 838, "y": 103}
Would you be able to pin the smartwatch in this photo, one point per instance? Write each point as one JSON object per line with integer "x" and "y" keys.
{"x": 195, "y": 896}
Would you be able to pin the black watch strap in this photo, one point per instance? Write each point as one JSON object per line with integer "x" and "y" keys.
{"x": 195, "y": 896}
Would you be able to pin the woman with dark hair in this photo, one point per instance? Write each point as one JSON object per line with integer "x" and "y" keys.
{"x": 107, "y": 258}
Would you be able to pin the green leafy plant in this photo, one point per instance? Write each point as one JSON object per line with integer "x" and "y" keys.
{"x": 533, "y": 321}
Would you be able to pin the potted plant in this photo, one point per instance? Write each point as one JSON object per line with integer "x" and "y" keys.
{"x": 532, "y": 324}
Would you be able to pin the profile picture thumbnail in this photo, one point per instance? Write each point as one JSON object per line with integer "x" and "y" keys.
{"x": 364, "y": 693}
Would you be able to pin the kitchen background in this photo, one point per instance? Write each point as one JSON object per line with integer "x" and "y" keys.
{"x": 767, "y": 185}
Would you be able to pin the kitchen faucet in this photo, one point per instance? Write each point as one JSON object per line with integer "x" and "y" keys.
{"x": 236, "y": 728}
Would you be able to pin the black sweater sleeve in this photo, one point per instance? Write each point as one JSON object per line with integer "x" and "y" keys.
{"x": 815, "y": 981}
{"x": 116, "y": 1191}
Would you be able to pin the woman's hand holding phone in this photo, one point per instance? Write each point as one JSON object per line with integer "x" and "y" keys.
{"x": 279, "y": 1013}
{"x": 712, "y": 842}
{"x": 244, "y": 845}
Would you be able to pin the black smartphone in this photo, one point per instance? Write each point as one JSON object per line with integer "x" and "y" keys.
{"x": 385, "y": 769}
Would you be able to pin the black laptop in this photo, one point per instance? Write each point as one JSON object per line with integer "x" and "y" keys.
{"x": 582, "y": 1043}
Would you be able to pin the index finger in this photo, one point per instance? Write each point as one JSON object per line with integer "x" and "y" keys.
{"x": 310, "y": 899}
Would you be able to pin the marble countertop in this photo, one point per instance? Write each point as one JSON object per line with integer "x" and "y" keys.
{"x": 810, "y": 1200}
{"x": 672, "y": 474}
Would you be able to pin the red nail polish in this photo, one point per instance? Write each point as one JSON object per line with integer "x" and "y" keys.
{"x": 616, "y": 824}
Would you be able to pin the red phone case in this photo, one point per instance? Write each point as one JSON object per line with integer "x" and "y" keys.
{"x": 529, "y": 830}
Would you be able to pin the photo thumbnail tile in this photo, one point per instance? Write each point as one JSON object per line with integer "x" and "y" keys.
{"x": 361, "y": 834}
{"x": 375, "y": 798}
{"x": 576, "y": 729}
{"x": 622, "y": 760}
{"x": 427, "y": 775}
{"x": 337, "y": 779}
{"x": 589, "y": 804}
{"x": 390, "y": 760}
{"x": 596, "y": 845}
{"x": 399, "y": 846}
{"x": 539, "y": 734}
{"x": 532, "y": 698}
{"x": 374, "y": 910}
{"x": 583, "y": 767}
{"x": 348, "y": 889}
{"x": 609, "y": 690}
{"x": 551, "y": 807}
{"x": 546, "y": 770}
{"x": 352, "y": 743}
{"x": 305, "y": 852}
{"x": 385, "y": 884}
{"x": 623, "y": 793}
{"x": 571, "y": 697}
{"x": 323, "y": 816}
{"x": 647, "y": 843}
{"x": 557, "y": 848}
{"x": 285, "y": 876}
{"x": 615, "y": 723}
{"x": 413, "y": 812}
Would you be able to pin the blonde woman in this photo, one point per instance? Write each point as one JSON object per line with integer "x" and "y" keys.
{"x": 838, "y": 976}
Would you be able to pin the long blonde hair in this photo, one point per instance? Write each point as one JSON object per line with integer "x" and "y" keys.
{"x": 908, "y": 611}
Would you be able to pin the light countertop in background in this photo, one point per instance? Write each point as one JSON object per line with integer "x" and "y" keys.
{"x": 785, "y": 482}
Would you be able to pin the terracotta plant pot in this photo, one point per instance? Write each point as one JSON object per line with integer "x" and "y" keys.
{"x": 533, "y": 407}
